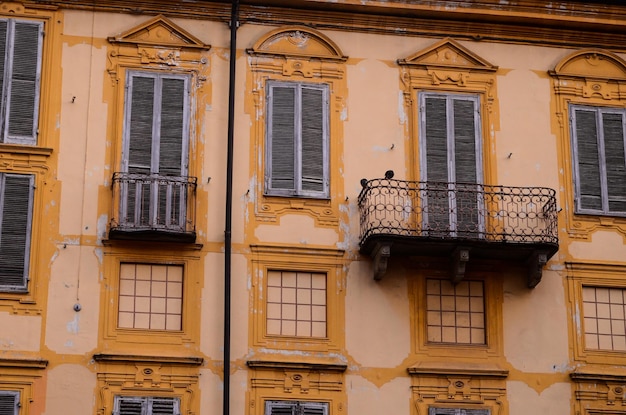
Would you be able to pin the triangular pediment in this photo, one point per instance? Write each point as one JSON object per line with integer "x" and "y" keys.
{"x": 592, "y": 63}
{"x": 159, "y": 31}
{"x": 297, "y": 41}
{"x": 448, "y": 54}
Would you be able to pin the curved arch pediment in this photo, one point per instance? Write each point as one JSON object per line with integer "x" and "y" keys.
{"x": 297, "y": 41}
{"x": 592, "y": 63}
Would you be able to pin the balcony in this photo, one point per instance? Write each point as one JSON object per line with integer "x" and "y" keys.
{"x": 153, "y": 207}
{"x": 456, "y": 220}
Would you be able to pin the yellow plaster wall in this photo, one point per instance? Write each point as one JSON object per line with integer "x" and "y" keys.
{"x": 70, "y": 384}
{"x": 524, "y": 398}
{"x": 20, "y": 333}
{"x": 365, "y": 397}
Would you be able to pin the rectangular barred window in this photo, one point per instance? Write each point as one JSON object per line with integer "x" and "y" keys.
{"x": 151, "y": 296}
{"x": 455, "y": 313}
{"x": 605, "y": 324}
{"x": 296, "y": 304}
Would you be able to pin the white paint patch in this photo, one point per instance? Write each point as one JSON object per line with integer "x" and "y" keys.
{"x": 344, "y": 114}
{"x": 73, "y": 326}
{"x": 99, "y": 255}
{"x": 401, "y": 110}
{"x": 101, "y": 226}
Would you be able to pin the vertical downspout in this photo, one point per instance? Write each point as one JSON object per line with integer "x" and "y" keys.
{"x": 234, "y": 23}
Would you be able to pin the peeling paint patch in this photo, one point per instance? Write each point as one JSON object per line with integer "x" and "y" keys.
{"x": 401, "y": 110}
{"x": 72, "y": 326}
{"x": 101, "y": 225}
{"x": 344, "y": 114}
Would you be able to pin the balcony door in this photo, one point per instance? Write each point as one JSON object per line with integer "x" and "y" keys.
{"x": 155, "y": 154}
{"x": 451, "y": 165}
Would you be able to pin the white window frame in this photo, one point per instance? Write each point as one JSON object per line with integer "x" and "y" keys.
{"x": 16, "y": 397}
{"x": 452, "y": 179}
{"x": 7, "y": 85}
{"x": 146, "y": 403}
{"x": 29, "y": 213}
{"x": 601, "y": 154}
{"x": 297, "y": 407}
{"x": 298, "y": 191}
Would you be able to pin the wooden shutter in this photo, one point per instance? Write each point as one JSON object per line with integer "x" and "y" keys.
{"x": 140, "y": 128}
{"x": 313, "y": 140}
{"x": 23, "y": 91}
{"x": 613, "y": 133}
{"x": 17, "y": 195}
{"x": 457, "y": 411}
{"x": 295, "y": 408}
{"x": 173, "y": 97}
{"x": 587, "y": 159}
{"x": 129, "y": 405}
{"x": 9, "y": 402}
{"x": 282, "y": 133}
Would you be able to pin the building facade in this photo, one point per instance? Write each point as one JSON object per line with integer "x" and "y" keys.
{"x": 314, "y": 208}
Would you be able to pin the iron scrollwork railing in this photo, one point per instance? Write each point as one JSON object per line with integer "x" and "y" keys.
{"x": 468, "y": 211}
{"x": 154, "y": 203}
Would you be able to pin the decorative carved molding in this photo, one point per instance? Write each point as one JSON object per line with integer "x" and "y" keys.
{"x": 297, "y": 377}
{"x": 600, "y": 389}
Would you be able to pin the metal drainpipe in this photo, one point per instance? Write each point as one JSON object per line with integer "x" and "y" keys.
{"x": 234, "y": 23}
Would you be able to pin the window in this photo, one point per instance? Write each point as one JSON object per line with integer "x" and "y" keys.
{"x": 455, "y": 313}
{"x": 155, "y": 151}
{"x": 457, "y": 411}
{"x": 16, "y": 207}
{"x": 9, "y": 402}
{"x": 295, "y": 408}
{"x": 20, "y": 63}
{"x": 599, "y": 159}
{"x": 296, "y": 304}
{"x": 451, "y": 160}
{"x": 146, "y": 406}
{"x": 297, "y": 140}
{"x": 605, "y": 321}
{"x": 151, "y": 296}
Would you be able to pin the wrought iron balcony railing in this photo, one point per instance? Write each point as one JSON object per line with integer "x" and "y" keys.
{"x": 449, "y": 215}
{"x": 153, "y": 206}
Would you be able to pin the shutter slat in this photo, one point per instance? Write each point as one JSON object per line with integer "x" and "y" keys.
{"x": 15, "y": 231}
{"x": 3, "y": 57}
{"x": 312, "y": 140}
{"x": 588, "y": 160}
{"x": 436, "y": 136}
{"x": 8, "y": 402}
{"x": 282, "y": 132}
{"x": 24, "y": 81}
{"x": 465, "y": 163}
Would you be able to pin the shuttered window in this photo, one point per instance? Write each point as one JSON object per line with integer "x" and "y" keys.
{"x": 451, "y": 163}
{"x": 457, "y": 411}
{"x": 155, "y": 154}
{"x": 20, "y": 63}
{"x": 16, "y": 206}
{"x": 9, "y": 402}
{"x": 297, "y": 140}
{"x": 130, "y": 405}
{"x": 295, "y": 408}
{"x": 598, "y": 136}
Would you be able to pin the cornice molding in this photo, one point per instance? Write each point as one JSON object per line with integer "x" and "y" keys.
{"x": 23, "y": 363}
{"x": 124, "y": 358}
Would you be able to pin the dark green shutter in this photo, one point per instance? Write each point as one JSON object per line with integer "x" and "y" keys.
{"x": 613, "y": 129}
{"x": 24, "y": 81}
{"x": 8, "y": 402}
{"x": 282, "y": 133}
{"x": 15, "y": 231}
{"x": 588, "y": 159}
{"x": 312, "y": 139}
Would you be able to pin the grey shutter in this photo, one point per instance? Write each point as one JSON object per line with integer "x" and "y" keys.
{"x": 146, "y": 406}
{"x": 436, "y": 159}
{"x": 313, "y": 137}
{"x": 130, "y": 406}
{"x": 24, "y": 84}
{"x": 295, "y": 408}
{"x": 173, "y": 96}
{"x": 15, "y": 231}
{"x": 9, "y": 402}
{"x": 466, "y": 197}
{"x": 588, "y": 160}
{"x": 457, "y": 411}
{"x": 141, "y": 122}
{"x": 5, "y": 47}
{"x": 613, "y": 132}
{"x": 283, "y": 140}
{"x": 163, "y": 406}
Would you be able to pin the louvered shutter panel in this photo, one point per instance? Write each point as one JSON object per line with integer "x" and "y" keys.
{"x": 280, "y": 408}
{"x": 314, "y": 408}
{"x": 466, "y": 198}
{"x": 282, "y": 133}
{"x": 4, "y": 46}
{"x": 24, "y": 89}
{"x": 163, "y": 406}
{"x": 436, "y": 140}
{"x": 15, "y": 231}
{"x": 172, "y": 127}
{"x": 588, "y": 160}
{"x": 313, "y": 113}
{"x": 130, "y": 406}
{"x": 613, "y": 129}
{"x": 8, "y": 402}
{"x": 457, "y": 411}
{"x": 140, "y": 129}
